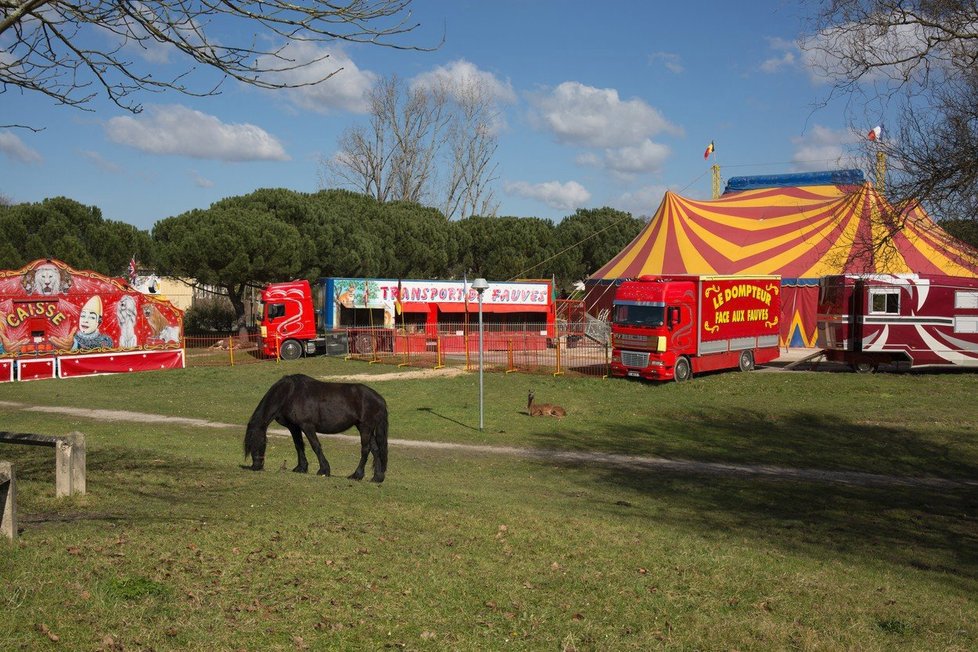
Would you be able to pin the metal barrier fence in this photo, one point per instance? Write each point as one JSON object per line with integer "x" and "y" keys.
{"x": 505, "y": 349}
{"x": 222, "y": 351}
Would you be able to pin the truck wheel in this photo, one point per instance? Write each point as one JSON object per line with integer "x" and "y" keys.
{"x": 682, "y": 371}
{"x": 746, "y": 362}
{"x": 290, "y": 350}
{"x": 864, "y": 367}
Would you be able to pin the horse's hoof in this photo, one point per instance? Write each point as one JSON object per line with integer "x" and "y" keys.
{"x": 377, "y": 478}
{"x": 355, "y": 476}
{"x": 251, "y": 468}
{"x": 323, "y": 472}
{"x": 300, "y": 469}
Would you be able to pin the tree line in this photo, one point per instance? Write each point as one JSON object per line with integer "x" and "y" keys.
{"x": 277, "y": 234}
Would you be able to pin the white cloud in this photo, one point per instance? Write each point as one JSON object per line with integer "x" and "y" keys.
{"x": 345, "y": 91}
{"x": 177, "y": 130}
{"x": 596, "y": 117}
{"x": 565, "y": 196}
{"x": 895, "y": 51}
{"x": 647, "y": 156}
{"x": 137, "y": 40}
{"x": 588, "y": 158}
{"x": 460, "y": 75}
{"x": 642, "y": 202}
{"x": 101, "y": 162}
{"x": 786, "y": 60}
{"x": 787, "y": 56}
{"x": 823, "y": 148}
{"x": 14, "y": 148}
{"x": 671, "y": 61}
{"x": 200, "y": 181}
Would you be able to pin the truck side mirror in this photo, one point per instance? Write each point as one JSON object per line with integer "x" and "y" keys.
{"x": 673, "y": 319}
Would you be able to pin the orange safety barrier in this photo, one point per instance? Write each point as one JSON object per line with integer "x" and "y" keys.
{"x": 506, "y": 348}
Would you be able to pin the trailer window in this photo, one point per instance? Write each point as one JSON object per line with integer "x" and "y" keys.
{"x": 966, "y": 300}
{"x": 632, "y": 315}
{"x": 885, "y": 301}
{"x": 831, "y": 292}
{"x": 965, "y": 324}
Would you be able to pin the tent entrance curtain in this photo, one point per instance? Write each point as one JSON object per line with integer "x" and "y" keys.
{"x": 799, "y": 315}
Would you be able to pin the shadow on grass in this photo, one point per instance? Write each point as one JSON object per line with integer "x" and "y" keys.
{"x": 442, "y": 416}
{"x": 799, "y": 439}
{"x": 128, "y": 485}
{"x": 915, "y": 526}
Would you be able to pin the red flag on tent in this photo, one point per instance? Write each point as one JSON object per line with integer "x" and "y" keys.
{"x": 709, "y": 150}
{"x": 132, "y": 271}
{"x": 875, "y": 132}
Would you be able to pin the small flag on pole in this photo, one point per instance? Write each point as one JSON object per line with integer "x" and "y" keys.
{"x": 875, "y": 133}
{"x": 132, "y": 271}
{"x": 709, "y": 150}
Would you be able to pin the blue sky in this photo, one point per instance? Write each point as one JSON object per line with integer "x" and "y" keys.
{"x": 604, "y": 104}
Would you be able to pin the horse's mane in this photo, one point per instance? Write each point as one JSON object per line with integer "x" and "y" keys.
{"x": 266, "y": 411}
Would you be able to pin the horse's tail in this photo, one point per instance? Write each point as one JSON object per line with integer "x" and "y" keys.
{"x": 256, "y": 434}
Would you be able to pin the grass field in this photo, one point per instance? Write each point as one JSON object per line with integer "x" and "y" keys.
{"x": 175, "y": 547}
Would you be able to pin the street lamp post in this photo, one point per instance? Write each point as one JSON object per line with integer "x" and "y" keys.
{"x": 480, "y": 285}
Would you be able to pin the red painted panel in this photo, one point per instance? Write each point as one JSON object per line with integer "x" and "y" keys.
{"x": 36, "y": 368}
{"x": 113, "y": 363}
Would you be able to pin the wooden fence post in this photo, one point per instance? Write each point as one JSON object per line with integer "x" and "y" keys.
{"x": 8, "y": 495}
{"x": 69, "y": 465}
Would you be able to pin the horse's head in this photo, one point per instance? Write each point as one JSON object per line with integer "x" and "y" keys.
{"x": 256, "y": 438}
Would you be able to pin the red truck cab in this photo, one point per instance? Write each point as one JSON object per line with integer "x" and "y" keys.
{"x": 288, "y": 324}
{"x": 670, "y": 327}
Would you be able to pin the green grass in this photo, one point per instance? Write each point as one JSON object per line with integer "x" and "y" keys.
{"x": 175, "y": 547}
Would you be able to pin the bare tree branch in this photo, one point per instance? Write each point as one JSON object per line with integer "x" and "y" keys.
{"x": 472, "y": 147}
{"x": 918, "y": 60}
{"x": 411, "y": 132}
{"x": 74, "y": 50}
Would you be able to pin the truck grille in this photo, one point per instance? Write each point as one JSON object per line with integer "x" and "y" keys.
{"x": 635, "y": 359}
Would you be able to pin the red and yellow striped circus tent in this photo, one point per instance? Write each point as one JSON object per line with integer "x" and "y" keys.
{"x": 800, "y": 232}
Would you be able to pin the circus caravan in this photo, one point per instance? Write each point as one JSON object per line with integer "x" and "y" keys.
{"x": 58, "y": 322}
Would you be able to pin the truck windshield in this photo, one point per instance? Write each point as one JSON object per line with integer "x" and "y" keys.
{"x": 632, "y": 315}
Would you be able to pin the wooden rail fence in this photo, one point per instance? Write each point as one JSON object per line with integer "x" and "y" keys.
{"x": 69, "y": 457}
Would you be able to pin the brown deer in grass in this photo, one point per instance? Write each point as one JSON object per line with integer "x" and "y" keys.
{"x": 544, "y": 409}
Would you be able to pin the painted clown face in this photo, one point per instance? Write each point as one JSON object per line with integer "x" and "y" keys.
{"x": 90, "y": 316}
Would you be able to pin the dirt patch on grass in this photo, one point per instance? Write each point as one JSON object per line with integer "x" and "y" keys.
{"x": 415, "y": 374}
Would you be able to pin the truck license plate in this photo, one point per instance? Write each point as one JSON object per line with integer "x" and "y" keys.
{"x": 633, "y": 374}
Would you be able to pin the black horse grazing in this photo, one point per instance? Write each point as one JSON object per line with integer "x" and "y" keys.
{"x": 306, "y": 405}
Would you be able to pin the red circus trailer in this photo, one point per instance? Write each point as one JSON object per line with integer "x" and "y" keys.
{"x": 56, "y": 321}
{"x": 908, "y": 320}
{"x": 670, "y": 327}
{"x": 340, "y": 315}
